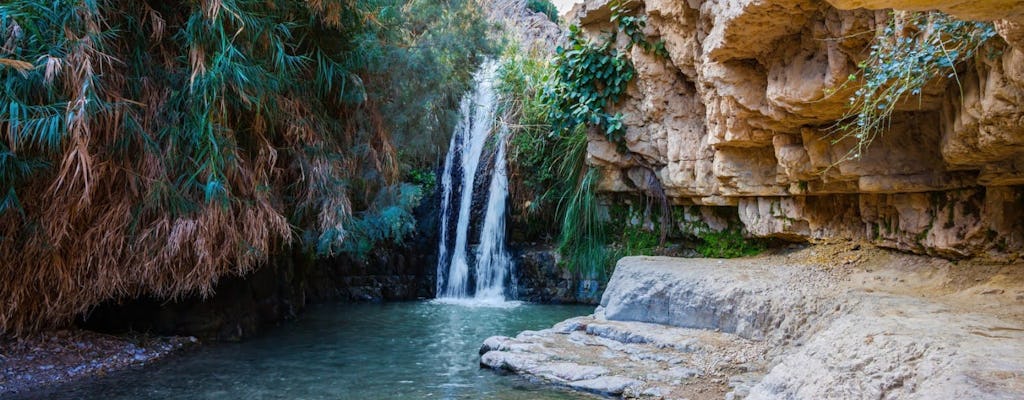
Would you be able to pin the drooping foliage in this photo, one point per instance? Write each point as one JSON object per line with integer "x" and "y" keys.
{"x": 154, "y": 146}
{"x": 549, "y": 175}
{"x": 911, "y": 51}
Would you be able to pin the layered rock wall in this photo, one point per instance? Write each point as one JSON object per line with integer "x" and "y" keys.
{"x": 742, "y": 111}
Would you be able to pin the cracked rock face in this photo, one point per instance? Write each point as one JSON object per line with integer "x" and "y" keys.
{"x": 739, "y": 115}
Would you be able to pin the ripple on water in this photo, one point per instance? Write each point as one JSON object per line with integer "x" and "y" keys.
{"x": 487, "y": 302}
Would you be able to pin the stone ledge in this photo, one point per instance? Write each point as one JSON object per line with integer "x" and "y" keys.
{"x": 835, "y": 321}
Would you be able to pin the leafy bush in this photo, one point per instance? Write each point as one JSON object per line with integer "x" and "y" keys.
{"x": 549, "y": 177}
{"x": 544, "y": 7}
{"x": 633, "y": 27}
{"x": 637, "y": 241}
{"x": 912, "y": 51}
{"x": 389, "y": 219}
{"x": 592, "y": 76}
{"x": 425, "y": 178}
{"x": 534, "y": 149}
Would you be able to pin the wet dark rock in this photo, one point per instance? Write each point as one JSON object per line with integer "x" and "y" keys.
{"x": 540, "y": 279}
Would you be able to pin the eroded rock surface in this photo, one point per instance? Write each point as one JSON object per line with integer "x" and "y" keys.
{"x": 740, "y": 112}
{"x": 828, "y": 322}
{"x": 631, "y": 359}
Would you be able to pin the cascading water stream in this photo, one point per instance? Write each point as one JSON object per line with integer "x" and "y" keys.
{"x": 493, "y": 261}
{"x": 490, "y": 262}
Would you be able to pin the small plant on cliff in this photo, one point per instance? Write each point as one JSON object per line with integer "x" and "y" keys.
{"x": 544, "y": 7}
{"x": 633, "y": 27}
{"x": 592, "y": 76}
{"x": 912, "y": 50}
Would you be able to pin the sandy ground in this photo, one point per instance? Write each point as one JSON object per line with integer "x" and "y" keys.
{"x": 67, "y": 355}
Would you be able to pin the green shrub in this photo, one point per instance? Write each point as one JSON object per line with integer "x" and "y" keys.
{"x": 426, "y": 179}
{"x": 590, "y": 78}
{"x": 544, "y": 7}
{"x": 637, "y": 241}
{"x": 550, "y": 107}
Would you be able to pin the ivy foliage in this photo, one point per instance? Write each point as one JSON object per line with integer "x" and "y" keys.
{"x": 591, "y": 76}
{"x": 633, "y": 27}
{"x": 549, "y": 178}
{"x": 913, "y": 50}
{"x": 555, "y": 105}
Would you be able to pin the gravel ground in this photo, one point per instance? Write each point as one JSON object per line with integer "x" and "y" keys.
{"x": 62, "y": 356}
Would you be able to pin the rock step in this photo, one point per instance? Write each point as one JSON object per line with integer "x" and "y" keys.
{"x": 628, "y": 359}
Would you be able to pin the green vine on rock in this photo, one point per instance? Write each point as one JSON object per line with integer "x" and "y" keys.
{"x": 912, "y": 51}
{"x": 544, "y": 7}
{"x": 590, "y": 77}
{"x": 633, "y": 27}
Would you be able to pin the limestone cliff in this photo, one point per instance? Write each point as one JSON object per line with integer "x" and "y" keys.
{"x": 738, "y": 115}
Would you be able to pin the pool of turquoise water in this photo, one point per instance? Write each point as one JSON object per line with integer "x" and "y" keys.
{"x": 414, "y": 350}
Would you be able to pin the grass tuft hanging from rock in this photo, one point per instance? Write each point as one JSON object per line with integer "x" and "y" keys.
{"x": 909, "y": 53}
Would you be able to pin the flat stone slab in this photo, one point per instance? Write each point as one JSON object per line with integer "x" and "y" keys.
{"x": 628, "y": 359}
{"x": 608, "y": 385}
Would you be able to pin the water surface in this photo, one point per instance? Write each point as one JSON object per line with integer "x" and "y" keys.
{"x": 416, "y": 350}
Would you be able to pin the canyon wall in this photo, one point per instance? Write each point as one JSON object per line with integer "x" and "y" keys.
{"x": 740, "y": 114}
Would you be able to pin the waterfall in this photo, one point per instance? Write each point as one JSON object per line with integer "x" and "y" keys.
{"x": 482, "y": 275}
